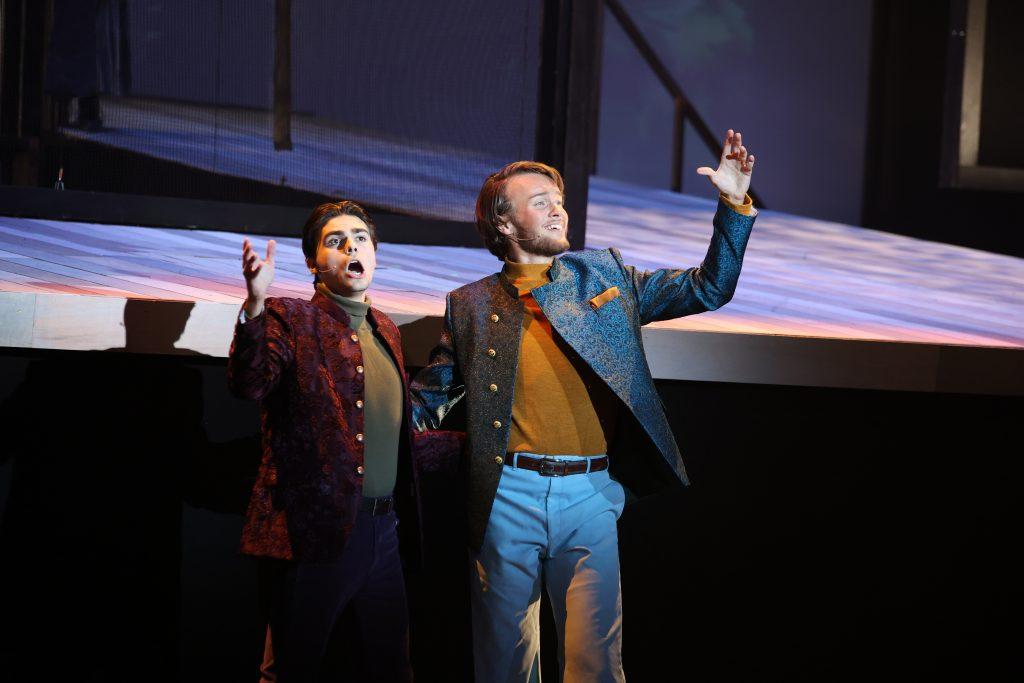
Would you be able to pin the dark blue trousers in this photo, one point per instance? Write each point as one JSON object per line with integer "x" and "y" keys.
{"x": 305, "y": 599}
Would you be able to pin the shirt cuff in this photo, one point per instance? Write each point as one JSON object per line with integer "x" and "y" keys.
{"x": 244, "y": 318}
{"x": 746, "y": 208}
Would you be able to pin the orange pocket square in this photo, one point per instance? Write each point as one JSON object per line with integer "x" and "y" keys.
{"x": 604, "y": 297}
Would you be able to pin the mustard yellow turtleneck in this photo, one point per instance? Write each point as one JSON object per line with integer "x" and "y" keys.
{"x": 560, "y": 406}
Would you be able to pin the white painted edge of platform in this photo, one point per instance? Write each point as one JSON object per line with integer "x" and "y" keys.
{"x": 94, "y": 323}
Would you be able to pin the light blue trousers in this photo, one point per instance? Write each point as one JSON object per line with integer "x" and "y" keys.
{"x": 566, "y": 527}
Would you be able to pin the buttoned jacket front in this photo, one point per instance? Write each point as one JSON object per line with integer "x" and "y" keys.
{"x": 594, "y": 302}
{"x": 303, "y": 362}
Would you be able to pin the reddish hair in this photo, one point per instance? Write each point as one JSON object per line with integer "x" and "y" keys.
{"x": 492, "y": 206}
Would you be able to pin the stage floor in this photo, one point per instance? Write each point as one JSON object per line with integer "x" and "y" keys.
{"x": 819, "y": 303}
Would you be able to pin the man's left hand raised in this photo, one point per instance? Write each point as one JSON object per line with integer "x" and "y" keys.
{"x": 734, "y": 169}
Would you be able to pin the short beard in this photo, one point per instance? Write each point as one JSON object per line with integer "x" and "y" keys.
{"x": 547, "y": 246}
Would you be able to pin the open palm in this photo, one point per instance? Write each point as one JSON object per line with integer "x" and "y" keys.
{"x": 732, "y": 177}
{"x": 259, "y": 273}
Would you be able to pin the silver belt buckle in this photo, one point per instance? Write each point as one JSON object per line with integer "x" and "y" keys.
{"x": 551, "y": 468}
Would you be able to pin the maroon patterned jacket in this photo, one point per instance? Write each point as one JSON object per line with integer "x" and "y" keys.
{"x": 299, "y": 360}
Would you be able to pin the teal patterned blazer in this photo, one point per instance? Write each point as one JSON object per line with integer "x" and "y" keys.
{"x": 597, "y": 305}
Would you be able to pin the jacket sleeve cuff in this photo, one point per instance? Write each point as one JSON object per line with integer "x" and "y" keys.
{"x": 745, "y": 209}
{"x": 250, "y": 327}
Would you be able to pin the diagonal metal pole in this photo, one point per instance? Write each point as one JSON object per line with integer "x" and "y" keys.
{"x": 684, "y": 109}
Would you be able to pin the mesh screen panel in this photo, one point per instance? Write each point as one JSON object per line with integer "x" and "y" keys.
{"x": 402, "y": 105}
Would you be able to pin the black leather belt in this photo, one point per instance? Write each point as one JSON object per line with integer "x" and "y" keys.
{"x": 553, "y": 467}
{"x": 381, "y": 505}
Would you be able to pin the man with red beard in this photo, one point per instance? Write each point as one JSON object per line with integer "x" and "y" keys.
{"x": 548, "y": 353}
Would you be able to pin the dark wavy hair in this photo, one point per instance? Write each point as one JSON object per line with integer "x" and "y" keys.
{"x": 492, "y": 206}
{"x": 322, "y": 215}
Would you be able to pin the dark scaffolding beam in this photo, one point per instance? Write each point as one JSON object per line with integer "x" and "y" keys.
{"x": 283, "y": 74}
{"x": 570, "y": 77}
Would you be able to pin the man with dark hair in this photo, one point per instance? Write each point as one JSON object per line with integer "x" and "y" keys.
{"x": 336, "y": 438}
{"x": 549, "y": 355}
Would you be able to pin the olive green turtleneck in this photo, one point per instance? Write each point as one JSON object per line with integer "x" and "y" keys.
{"x": 382, "y": 400}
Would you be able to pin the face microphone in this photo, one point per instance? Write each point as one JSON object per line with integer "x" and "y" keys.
{"x": 518, "y": 240}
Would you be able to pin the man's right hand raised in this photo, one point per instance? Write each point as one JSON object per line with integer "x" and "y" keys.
{"x": 259, "y": 273}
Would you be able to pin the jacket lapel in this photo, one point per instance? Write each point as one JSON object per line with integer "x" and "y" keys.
{"x": 330, "y": 308}
{"x": 392, "y": 338}
{"x": 335, "y": 348}
{"x": 586, "y": 330}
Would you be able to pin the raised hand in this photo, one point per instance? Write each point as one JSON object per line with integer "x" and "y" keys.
{"x": 259, "y": 273}
{"x": 732, "y": 178}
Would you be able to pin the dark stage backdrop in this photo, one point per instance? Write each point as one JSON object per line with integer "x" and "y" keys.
{"x": 829, "y": 110}
{"x": 1001, "y": 139}
{"x": 402, "y": 105}
{"x": 829, "y": 535}
{"x": 800, "y": 96}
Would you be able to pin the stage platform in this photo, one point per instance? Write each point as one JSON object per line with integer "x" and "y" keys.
{"x": 819, "y": 303}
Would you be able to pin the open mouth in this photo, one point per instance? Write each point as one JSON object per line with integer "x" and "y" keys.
{"x": 553, "y": 226}
{"x": 355, "y": 269}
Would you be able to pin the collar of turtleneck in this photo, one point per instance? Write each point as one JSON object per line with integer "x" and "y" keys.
{"x": 356, "y": 309}
{"x": 526, "y": 276}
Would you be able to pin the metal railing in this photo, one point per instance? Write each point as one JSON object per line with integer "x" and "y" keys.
{"x": 684, "y": 109}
